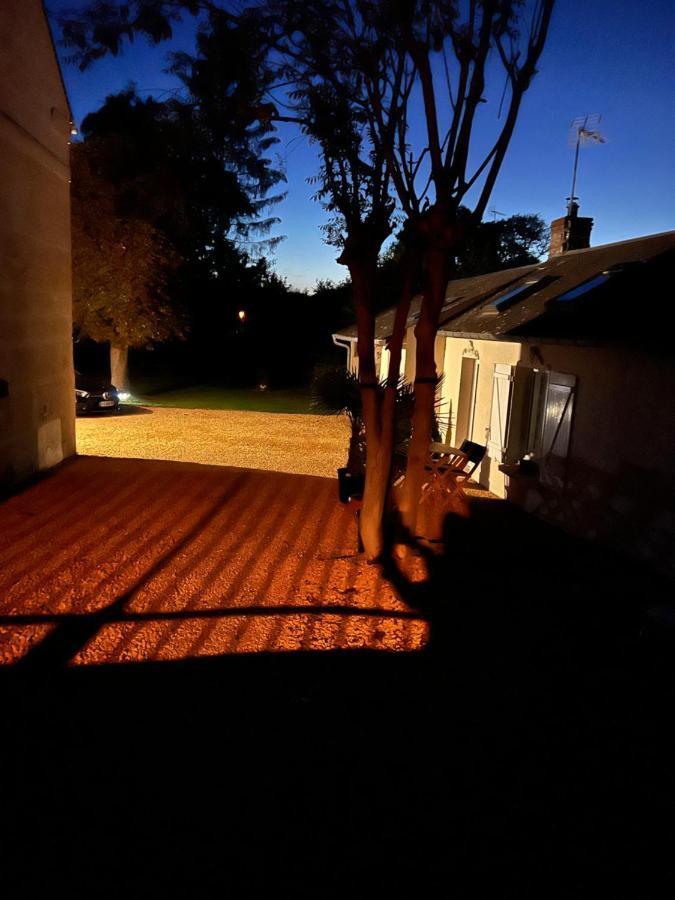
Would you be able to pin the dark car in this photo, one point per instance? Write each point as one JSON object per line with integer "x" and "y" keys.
{"x": 94, "y": 394}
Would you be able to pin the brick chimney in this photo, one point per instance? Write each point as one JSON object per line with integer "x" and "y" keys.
{"x": 570, "y": 232}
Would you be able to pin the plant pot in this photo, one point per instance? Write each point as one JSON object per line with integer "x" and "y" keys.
{"x": 349, "y": 485}
{"x": 528, "y": 467}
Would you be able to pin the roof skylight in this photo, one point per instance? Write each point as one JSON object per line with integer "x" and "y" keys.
{"x": 518, "y": 293}
{"x": 584, "y": 287}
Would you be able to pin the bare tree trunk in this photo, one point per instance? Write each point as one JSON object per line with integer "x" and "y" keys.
{"x": 362, "y": 271}
{"x": 409, "y": 272}
{"x": 119, "y": 367}
{"x": 426, "y": 379}
{"x": 379, "y": 412}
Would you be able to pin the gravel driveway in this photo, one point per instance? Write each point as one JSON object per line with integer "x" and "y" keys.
{"x": 299, "y": 444}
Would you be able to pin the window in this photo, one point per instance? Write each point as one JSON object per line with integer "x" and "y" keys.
{"x": 583, "y": 288}
{"x": 508, "y": 299}
{"x": 521, "y": 292}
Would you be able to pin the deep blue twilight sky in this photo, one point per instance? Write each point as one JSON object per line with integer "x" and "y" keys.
{"x": 614, "y": 57}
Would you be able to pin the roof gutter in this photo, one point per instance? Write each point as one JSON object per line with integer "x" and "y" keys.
{"x": 345, "y": 344}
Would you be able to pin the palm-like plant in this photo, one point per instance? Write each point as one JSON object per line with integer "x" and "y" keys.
{"x": 337, "y": 390}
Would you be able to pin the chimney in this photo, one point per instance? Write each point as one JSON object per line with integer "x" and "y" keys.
{"x": 570, "y": 232}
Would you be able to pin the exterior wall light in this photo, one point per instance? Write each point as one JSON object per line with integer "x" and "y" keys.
{"x": 242, "y": 314}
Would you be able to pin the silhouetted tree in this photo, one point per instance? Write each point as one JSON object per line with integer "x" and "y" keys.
{"x": 518, "y": 240}
{"x": 121, "y": 267}
{"x": 451, "y": 46}
{"x": 347, "y": 74}
{"x": 356, "y": 68}
{"x": 198, "y": 166}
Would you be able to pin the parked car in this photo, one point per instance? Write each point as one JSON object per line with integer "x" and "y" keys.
{"x": 94, "y": 394}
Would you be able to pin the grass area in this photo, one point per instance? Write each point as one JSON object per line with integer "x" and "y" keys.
{"x": 204, "y": 396}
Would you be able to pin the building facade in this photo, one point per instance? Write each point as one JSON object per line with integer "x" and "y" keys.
{"x": 37, "y": 424}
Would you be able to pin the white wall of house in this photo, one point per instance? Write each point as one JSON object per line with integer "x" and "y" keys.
{"x": 619, "y": 397}
{"x": 600, "y": 423}
{"x": 469, "y": 369}
{"x": 37, "y": 409}
{"x": 616, "y": 400}
{"x": 382, "y": 359}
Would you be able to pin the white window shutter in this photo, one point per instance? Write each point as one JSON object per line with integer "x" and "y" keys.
{"x": 502, "y": 381}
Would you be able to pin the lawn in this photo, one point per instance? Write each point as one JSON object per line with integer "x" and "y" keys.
{"x": 205, "y": 396}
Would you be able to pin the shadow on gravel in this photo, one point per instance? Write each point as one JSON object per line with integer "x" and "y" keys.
{"x": 525, "y": 753}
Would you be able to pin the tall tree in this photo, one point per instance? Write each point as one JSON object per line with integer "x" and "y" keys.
{"x": 349, "y": 80}
{"x": 358, "y": 68}
{"x": 518, "y": 240}
{"x": 230, "y": 132}
{"x": 451, "y": 46}
{"x": 198, "y": 166}
{"x": 121, "y": 267}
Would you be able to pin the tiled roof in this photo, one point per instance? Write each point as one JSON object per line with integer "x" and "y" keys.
{"x": 580, "y": 294}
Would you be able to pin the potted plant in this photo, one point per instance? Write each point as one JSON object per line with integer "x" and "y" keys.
{"x": 337, "y": 390}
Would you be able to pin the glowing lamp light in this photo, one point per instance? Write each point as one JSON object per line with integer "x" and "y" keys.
{"x": 242, "y": 315}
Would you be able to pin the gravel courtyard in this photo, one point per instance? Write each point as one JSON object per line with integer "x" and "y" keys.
{"x": 298, "y": 444}
{"x": 165, "y": 561}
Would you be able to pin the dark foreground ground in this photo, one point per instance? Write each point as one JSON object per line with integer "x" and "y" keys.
{"x": 524, "y": 750}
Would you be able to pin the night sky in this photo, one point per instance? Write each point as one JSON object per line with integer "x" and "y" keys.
{"x": 613, "y": 57}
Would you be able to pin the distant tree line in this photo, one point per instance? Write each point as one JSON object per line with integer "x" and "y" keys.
{"x": 165, "y": 249}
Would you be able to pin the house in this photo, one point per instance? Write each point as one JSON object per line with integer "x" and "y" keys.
{"x": 37, "y": 425}
{"x": 566, "y": 364}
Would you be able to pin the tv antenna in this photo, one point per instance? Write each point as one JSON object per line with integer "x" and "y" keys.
{"x": 583, "y": 131}
{"x": 494, "y": 213}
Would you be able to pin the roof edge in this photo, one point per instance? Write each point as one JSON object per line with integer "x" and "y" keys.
{"x": 639, "y": 237}
{"x": 57, "y": 60}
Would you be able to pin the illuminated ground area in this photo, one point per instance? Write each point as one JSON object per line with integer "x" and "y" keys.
{"x": 159, "y": 560}
{"x": 525, "y": 751}
{"x": 301, "y": 444}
